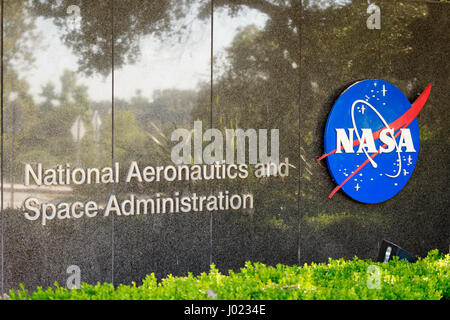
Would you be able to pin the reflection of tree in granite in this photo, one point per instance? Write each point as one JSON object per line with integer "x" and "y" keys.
{"x": 136, "y": 18}
{"x": 92, "y": 41}
{"x": 169, "y": 109}
{"x": 19, "y": 107}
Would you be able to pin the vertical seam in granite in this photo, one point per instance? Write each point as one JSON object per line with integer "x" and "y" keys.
{"x": 299, "y": 130}
{"x": 112, "y": 134}
{"x": 211, "y": 121}
{"x": 1, "y": 205}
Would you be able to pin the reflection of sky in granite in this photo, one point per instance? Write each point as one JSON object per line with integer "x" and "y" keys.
{"x": 161, "y": 66}
{"x": 324, "y": 4}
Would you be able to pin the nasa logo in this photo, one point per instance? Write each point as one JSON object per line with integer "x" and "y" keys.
{"x": 372, "y": 140}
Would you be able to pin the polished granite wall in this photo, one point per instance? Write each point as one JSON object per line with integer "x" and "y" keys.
{"x": 133, "y": 71}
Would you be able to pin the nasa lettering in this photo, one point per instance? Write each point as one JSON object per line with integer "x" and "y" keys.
{"x": 372, "y": 140}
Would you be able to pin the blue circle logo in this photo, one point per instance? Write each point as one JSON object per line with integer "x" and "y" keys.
{"x": 372, "y": 140}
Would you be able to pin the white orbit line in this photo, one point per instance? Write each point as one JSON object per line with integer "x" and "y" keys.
{"x": 372, "y": 162}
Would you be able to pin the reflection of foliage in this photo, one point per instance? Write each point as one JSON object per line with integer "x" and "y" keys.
{"x": 133, "y": 19}
{"x": 50, "y": 131}
{"x": 136, "y": 18}
{"x": 258, "y": 88}
{"x": 169, "y": 108}
{"x": 130, "y": 141}
{"x": 19, "y": 38}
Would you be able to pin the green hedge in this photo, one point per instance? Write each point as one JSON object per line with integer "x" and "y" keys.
{"x": 338, "y": 279}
